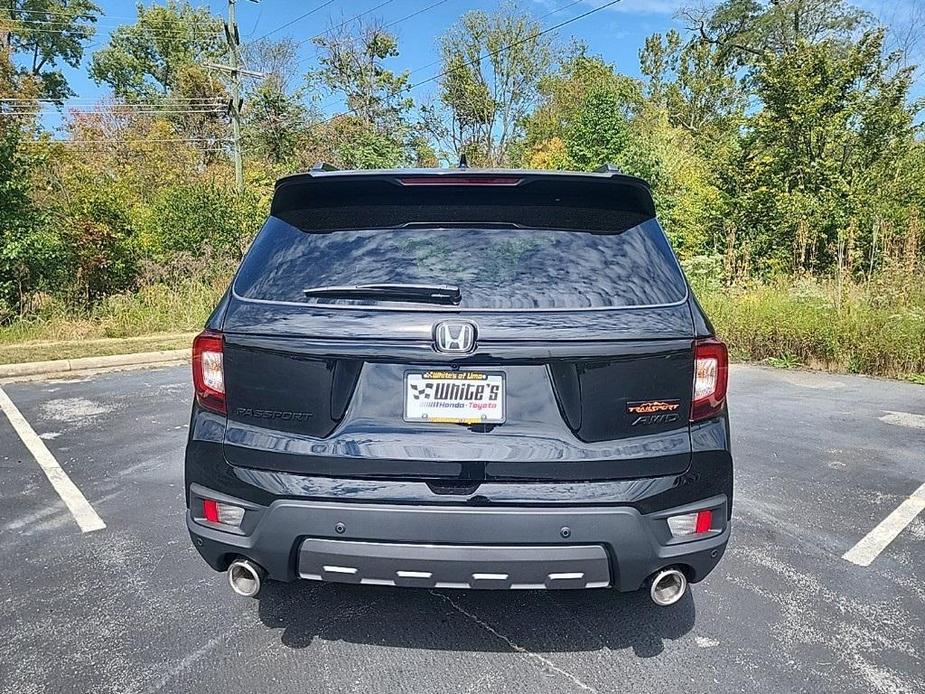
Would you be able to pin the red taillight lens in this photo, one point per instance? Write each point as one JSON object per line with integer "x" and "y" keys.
{"x": 704, "y": 522}
{"x": 208, "y": 371}
{"x": 711, "y": 374}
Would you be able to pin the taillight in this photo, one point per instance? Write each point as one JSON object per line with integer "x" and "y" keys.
{"x": 711, "y": 373}
{"x": 208, "y": 371}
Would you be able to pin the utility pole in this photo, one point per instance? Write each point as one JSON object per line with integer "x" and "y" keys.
{"x": 234, "y": 44}
{"x": 235, "y": 70}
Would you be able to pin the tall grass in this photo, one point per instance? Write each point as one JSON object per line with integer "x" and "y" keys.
{"x": 875, "y": 328}
{"x": 155, "y": 308}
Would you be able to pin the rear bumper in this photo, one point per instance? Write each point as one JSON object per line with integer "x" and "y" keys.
{"x": 454, "y": 546}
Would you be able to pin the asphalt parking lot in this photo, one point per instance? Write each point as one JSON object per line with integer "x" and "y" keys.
{"x": 821, "y": 461}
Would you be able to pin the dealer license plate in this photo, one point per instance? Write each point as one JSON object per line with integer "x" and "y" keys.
{"x": 457, "y": 397}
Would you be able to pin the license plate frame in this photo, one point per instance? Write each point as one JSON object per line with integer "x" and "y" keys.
{"x": 425, "y": 408}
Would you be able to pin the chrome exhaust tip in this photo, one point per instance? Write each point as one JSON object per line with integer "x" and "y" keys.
{"x": 667, "y": 587}
{"x": 245, "y": 577}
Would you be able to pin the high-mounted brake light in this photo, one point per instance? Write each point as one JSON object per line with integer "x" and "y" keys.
{"x": 711, "y": 373}
{"x": 454, "y": 180}
{"x": 208, "y": 371}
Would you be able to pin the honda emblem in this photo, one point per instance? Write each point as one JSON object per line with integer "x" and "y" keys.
{"x": 454, "y": 337}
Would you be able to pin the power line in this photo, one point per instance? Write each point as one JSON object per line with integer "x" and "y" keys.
{"x": 122, "y": 141}
{"x": 93, "y": 100}
{"x": 45, "y": 13}
{"x": 494, "y": 53}
{"x": 112, "y": 113}
{"x": 415, "y": 14}
{"x": 443, "y": 73}
{"x": 509, "y": 46}
{"x": 387, "y": 26}
{"x": 64, "y": 14}
{"x": 342, "y": 24}
{"x": 540, "y": 19}
{"x": 95, "y": 21}
{"x": 293, "y": 21}
{"x": 529, "y": 38}
{"x": 87, "y": 29}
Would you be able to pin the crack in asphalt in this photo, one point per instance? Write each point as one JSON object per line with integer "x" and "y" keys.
{"x": 547, "y": 664}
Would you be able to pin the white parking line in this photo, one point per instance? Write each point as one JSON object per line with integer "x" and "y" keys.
{"x": 877, "y": 540}
{"x": 76, "y": 502}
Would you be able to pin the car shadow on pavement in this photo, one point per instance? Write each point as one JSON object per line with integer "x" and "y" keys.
{"x": 539, "y": 621}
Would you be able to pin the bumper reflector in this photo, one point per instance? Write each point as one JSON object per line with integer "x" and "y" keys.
{"x": 695, "y": 523}
{"x": 226, "y": 514}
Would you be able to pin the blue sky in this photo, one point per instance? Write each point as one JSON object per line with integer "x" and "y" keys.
{"x": 617, "y": 33}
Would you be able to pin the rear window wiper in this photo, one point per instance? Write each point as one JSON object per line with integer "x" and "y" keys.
{"x": 422, "y": 293}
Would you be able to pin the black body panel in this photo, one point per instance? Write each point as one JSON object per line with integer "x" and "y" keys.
{"x": 281, "y": 417}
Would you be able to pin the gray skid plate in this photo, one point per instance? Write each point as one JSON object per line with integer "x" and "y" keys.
{"x": 454, "y": 566}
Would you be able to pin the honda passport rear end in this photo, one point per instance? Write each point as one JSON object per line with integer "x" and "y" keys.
{"x": 460, "y": 379}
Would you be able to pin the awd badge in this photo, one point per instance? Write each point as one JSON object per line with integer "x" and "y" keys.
{"x": 653, "y": 411}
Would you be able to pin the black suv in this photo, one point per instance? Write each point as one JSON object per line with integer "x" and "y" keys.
{"x": 460, "y": 379}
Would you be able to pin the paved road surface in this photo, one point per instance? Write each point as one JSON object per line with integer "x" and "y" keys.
{"x": 821, "y": 460}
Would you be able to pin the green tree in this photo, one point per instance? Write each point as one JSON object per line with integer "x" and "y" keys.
{"x": 47, "y": 33}
{"x": 161, "y": 54}
{"x": 100, "y": 256}
{"x": 599, "y": 132}
{"x": 22, "y": 253}
{"x": 275, "y": 117}
{"x": 697, "y": 88}
{"x": 589, "y": 114}
{"x": 492, "y": 64}
{"x": 160, "y": 59}
{"x": 28, "y": 252}
{"x": 561, "y": 94}
{"x": 199, "y": 216}
{"x": 352, "y": 65}
{"x": 375, "y": 132}
{"x": 744, "y": 31}
{"x": 834, "y": 120}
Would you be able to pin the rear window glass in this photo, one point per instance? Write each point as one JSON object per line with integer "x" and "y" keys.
{"x": 494, "y": 268}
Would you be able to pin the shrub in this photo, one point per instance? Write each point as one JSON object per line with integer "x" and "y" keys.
{"x": 189, "y": 218}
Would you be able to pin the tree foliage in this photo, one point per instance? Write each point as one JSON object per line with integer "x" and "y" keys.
{"x": 161, "y": 54}
{"x": 492, "y": 67}
{"x": 778, "y": 136}
{"x": 276, "y": 117}
{"x": 48, "y": 33}
{"x": 375, "y": 132}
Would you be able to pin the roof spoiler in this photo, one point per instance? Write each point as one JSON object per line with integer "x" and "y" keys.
{"x": 603, "y": 202}
{"x": 321, "y": 166}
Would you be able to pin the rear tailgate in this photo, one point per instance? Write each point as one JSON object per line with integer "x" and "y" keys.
{"x": 589, "y": 327}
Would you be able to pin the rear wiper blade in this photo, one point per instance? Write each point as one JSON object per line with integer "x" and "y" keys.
{"x": 422, "y": 293}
